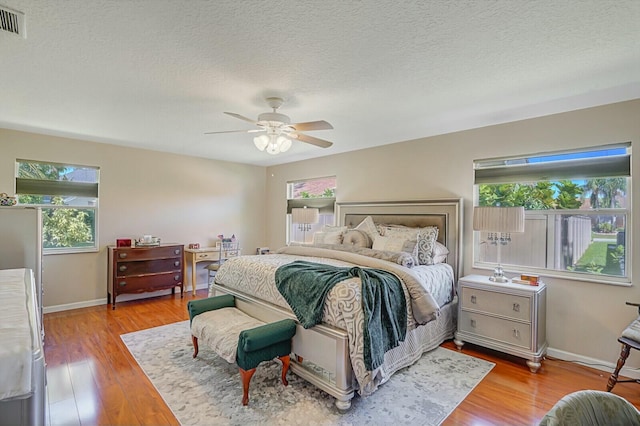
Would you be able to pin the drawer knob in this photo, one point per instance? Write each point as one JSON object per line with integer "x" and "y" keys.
{"x": 176, "y": 263}
{"x": 122, "y": 268}
{"x": 177, "y": 251}
{"x": 123, "y": 255}
{"x": 122, "y": 283}
{"x": 473, "y": 299}
{"x": 516, "y": 307}
{"x": 516, "y": 333}
{"x": 473, "y": 323}
{"x": 176, "y": 278}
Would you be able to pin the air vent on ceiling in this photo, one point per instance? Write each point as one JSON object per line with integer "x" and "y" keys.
{"x": 12, "y": 21}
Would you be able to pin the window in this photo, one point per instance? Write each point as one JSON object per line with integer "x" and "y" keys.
{"x": 577, "y": 209}
{"x": 313, "y": 193}
{"x": 68, "y": 196}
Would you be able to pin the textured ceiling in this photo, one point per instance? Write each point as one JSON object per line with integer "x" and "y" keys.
{"x": 158, "y": 74}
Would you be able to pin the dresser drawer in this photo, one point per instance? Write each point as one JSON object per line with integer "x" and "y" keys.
{"x": 141, "y": 267}
{"x": 510, "y": 332}
{"x": 147, "y": 282}
{"x": 503, "y": 304}
{"x": 139, "y": 253}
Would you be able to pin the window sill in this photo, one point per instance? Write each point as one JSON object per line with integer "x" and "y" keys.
{"x": 514, "y": 271}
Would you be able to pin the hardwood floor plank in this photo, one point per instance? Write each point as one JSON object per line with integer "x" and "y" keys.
{"x": 94, "y": 379}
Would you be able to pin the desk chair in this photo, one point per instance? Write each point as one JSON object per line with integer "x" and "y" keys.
{"x": 630, "y": 338}
{"x": 227, "y": 250}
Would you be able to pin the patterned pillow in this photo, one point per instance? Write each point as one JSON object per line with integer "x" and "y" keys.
{"x": 368, "y": 227}
{"x": 424, "y": 240}
{"x": 426, "y": 245}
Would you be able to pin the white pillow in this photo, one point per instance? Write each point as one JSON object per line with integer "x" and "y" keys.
{"x": 331, "y": 228}
{"x": 440, "y": 253}
{"x": 394, "y": 244}
{"x": 368, "y": 227}
{"x": 333, "y": 237}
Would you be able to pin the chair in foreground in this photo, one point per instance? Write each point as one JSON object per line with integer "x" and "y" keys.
{"x": 591, "y": 408}
{"x": 630, "y": 339}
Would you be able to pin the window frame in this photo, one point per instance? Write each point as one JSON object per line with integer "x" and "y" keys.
{"x": 62, "y": 188}
{"x": 618, "y": 163}
{"x": 326, "y": 205}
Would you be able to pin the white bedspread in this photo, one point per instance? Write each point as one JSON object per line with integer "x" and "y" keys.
{"x": 19, "y": 335}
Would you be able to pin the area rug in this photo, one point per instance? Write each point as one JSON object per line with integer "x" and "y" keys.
{"x": 207, "y": 390}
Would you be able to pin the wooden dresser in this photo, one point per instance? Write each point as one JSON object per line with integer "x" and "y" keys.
{"x": 143, "y": 269}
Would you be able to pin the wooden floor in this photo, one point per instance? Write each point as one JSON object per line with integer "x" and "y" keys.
{"x": 93, "y": 379}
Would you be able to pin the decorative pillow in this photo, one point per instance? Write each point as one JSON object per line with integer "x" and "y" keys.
{"x": 333, "y": 237}
{"x": 426, "y": 245}
{"x": 440, "y": 253}
{"x": 368, "y": 227}
{"x": 399, "y": 231}
{"x": 394, "y": 244}
{"x": 331, "y": 228}
{"x": 399, "y": 257}
{"x": 423, "y": 240}
{"x": 355, "y": 237}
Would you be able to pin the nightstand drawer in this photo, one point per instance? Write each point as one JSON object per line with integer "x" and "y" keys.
{"x": 502, "y": 304}
{"x": 509, "y": 332}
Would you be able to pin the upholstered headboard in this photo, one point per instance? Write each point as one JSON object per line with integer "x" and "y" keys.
{"x": 446, "y": 214}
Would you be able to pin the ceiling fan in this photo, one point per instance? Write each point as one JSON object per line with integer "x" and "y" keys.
{"x": 278, "y": 130}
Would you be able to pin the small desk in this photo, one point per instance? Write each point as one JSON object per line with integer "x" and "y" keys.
{"x": 204, "y": 254}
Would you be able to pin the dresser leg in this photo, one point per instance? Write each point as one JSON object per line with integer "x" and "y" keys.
{"x": 534, "y": 366}
{"x": 459, "y": 343}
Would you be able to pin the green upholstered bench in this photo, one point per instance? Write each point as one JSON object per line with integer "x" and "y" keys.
{"x": 238, "y": 337}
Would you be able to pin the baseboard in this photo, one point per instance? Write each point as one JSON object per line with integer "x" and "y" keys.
{"x": 75, "y": 305}
{"x": 598, "y": 364}
{"x": 122, "y": 298}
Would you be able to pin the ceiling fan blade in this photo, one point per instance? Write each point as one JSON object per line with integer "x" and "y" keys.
{"x": 312, "y": 125}
{"x": 310, "y": 139}
{"x": 236, "y": 131}
{"x": 241, "y": 117}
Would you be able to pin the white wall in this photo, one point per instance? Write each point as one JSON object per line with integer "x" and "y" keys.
{"x": 177, "y": 198}
{"x": 582, "y": 318}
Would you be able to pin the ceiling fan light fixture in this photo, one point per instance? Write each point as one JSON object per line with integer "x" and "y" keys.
{"x": 284, "y": 143}
{"x": 261, "y": 142}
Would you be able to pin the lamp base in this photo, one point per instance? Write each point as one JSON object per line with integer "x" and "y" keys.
{"x": 498, "y": 275}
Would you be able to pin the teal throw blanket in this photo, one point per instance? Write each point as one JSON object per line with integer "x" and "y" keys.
{"x": 305, "y": 286}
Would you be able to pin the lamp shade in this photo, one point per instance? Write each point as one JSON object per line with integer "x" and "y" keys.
{"x": 305, "y": 215}
{"x": 498, "y": 219}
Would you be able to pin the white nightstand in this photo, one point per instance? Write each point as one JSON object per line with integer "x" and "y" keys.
{"x": 507, "y": 317}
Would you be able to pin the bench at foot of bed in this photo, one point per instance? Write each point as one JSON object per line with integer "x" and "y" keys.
{"x": 238, "y": 337}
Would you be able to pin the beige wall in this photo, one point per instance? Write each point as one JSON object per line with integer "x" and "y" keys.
{"x": 177, "y": 198}
{"x": 583, "y": 318}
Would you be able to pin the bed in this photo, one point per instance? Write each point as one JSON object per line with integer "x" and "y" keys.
{"x": 329, "y": 355}
{"x": 22, "y": 367}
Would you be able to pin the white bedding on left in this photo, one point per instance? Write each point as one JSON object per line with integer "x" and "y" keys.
{"x": 19, "y": 335}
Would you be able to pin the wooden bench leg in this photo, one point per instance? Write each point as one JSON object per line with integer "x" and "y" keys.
{"x": 246, "y": 379}
{"x": 613, "y": 379}
{"x": 194, "y": 339}
{"x": 285, "y": 367}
